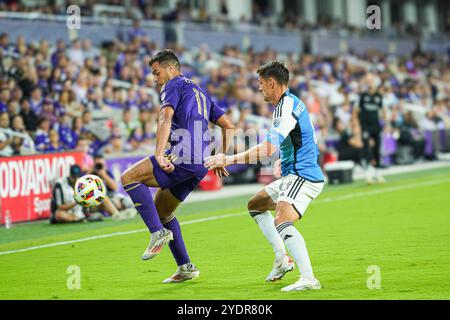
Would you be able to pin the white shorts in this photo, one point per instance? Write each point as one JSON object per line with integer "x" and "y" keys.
{"x": 294, "y": 190}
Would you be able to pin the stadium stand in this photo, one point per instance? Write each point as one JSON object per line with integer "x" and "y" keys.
{"x": 58, "y": 91}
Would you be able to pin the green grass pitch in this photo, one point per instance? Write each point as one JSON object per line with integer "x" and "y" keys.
{"x": 403, "y": 227}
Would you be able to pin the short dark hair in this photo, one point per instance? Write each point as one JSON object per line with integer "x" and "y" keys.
{"x": 165, "y": 56}
{"x": 276, "y": 70}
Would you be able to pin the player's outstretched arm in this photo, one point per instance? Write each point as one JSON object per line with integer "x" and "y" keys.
{"x": 253, "y": 155}
{"x": 162, "y": 136}
{"x": 227, "y": 133}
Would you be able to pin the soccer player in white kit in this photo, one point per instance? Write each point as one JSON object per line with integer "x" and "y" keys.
{"x": 292, "y": 134}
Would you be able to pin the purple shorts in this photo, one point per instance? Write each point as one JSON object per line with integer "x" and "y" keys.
{"x": 182, "y": 180}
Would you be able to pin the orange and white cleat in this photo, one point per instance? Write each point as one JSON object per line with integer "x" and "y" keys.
{"x": 185, "y": 272}
{"x": 157, "y": 242}
{"x": 280, "y": 268}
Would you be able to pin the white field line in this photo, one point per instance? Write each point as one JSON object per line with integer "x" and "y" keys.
{"x": 383, "y": 190}
{"x": 224, "y": 216}
{"x": 108, "y": 235}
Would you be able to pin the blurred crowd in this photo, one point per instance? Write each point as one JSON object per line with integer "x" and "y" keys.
{"x": 262, "y": 15}
{"x": 102, "y": 99}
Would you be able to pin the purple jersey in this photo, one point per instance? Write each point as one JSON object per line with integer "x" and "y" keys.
{"x": 194, "y": 109}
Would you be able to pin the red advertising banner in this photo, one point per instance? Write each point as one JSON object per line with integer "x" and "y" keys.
{"x": 26, "y": 182}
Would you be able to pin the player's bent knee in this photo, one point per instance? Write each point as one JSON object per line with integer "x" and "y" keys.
{"x": 286, "y": 212}
{"x": 128, "y": 177}
{"x": 124, "y": 178}
{"x": 252, "y": 204}
{"x": 260, "y": 202}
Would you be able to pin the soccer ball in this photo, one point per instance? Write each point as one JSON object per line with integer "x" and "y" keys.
{"x": 90, "y": 191}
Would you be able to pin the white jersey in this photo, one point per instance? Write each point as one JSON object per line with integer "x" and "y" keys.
{"x": 63, "y": 193}
{"x": 6, "y": 151}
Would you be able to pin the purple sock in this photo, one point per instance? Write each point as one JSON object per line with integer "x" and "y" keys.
{"x": 143, "y": 201}
{"x": 177, "y": 246}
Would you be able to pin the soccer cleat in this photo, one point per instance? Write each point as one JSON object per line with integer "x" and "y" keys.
{"x": 303, "y": 284}
{"x": 157, "y": 242}
{"x": 185, "y": 272}
{"x": 280, "y": 269}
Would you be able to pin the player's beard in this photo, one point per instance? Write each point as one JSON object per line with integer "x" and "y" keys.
{"x": 159, "y": 85}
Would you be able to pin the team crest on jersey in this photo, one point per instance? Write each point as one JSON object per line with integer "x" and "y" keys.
{"x": 277, "y": 122}
{"x": 163, "y": 96}
{"x": 285, "y": 186}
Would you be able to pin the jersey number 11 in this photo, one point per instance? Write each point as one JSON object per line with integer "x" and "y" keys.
{"x": 201, "y": 98}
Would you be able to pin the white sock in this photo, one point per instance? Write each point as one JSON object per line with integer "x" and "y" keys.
{"x": 297, "y": 248}
{"x": 265, "y": 222}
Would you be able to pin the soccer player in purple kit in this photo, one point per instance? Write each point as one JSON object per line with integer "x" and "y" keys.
{"x": 184, "y": 117}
